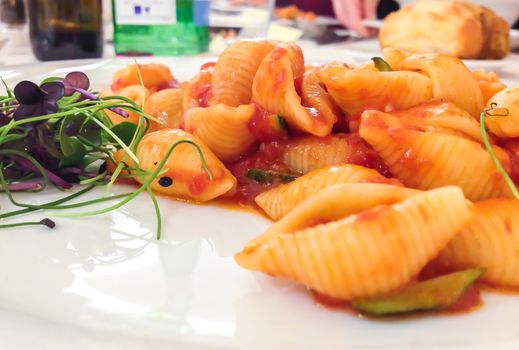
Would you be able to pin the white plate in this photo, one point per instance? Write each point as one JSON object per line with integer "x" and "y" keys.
{"x": 105, "y": 283}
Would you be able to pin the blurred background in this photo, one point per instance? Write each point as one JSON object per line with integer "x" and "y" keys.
{"x": 32, "y": 30}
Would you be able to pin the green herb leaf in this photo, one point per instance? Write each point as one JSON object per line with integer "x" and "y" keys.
{"x": 282, "y": 123}
{"x": 73, "y": 150}
{"x": 381, "y": 64}
{"x": 8, "y": 90}
{"x": 286, "y": 178}
{"x": 125, "y": 131}
{"x": 267, "y": 177}
{"x": 432, "y": 294}
{"x": 44, "y": 135}
{"x": 91, "y": 132}
{"x": 50, "y": 80}
{"x": 260, "y": 176}
{"x": 71, "y": 147}
{"x": 90, "y": 158}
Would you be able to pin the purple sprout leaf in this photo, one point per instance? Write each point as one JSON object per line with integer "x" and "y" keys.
{"x": 48, "y": 222}
{"x": 75, "y": 81}
{"x": 53, "y": 90}
{"x": 24, "y": 163}
{"x": 119, "y": 111}
{"x": 27, "y": 111}
{"x": 37, "y": 101}
{"x": 79, "y": 82}
{"x": 49, "y": 107}
{"x": 28, "y": 93}
{"x": 24, "y": 186}
{"x": 4, "y": 120}
{"x": 87, "y": 94}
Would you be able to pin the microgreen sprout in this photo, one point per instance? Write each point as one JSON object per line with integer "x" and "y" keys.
{"x": 493, "y": 111}
{"x": 57, "y": 133}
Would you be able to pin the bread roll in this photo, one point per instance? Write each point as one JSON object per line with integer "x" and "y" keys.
{"x": 456, "y": 28}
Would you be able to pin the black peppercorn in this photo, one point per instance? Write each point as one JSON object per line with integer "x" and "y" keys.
{"x": 165, "y": 181}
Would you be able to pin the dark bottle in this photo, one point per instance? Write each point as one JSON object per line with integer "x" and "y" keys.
{"x": 12, "y": 12}
{"x": 66, "y": 29}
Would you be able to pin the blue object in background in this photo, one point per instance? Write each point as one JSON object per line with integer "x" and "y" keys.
{"x": 201, "y": 12}
{"x": 137, "y": 9}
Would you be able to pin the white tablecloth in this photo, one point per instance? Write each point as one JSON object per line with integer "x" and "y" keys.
{"x": 350, "y": 51}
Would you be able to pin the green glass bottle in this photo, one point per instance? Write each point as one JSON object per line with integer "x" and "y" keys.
{"x": 161, "y": 27}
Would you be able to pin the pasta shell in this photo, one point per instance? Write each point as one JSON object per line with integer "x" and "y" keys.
{"x": 197, "y": 91}
{"x": 427, "y": 160}
{"x": 334, "y": 203}
{"x": 306, "y": 153}
{"x": 489, "y": 83}
{"x": 443, "y": 117}
{"x": 279, "y": 201}
{"x": 184, "y": 166}
{"x": 356, "y": 90}
{"x": 166, "y": 106}
{"x": 154, "y": 76}
{"x": 136, "y": 93}
{"x": 235, "y": 70}
{"x": 451, "y": 79}
{"x": 313, "y": 95}
{"x": 367, "y": 254}
{"x": 222, "y": 128}
{"x": 502, "y": 118}
{"x": 275, "y": 89}
{"x": 491, "y": 241}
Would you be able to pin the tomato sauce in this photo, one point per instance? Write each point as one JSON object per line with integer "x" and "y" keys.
{"x": 265, "y": 126}
{"x": 201, "y": 88}
{"x": 207, "y": 66}
{"x": 196, "y": 182}
{"x": 269, "y": 157}
{"x": 172, "y": 84}
{"x": 333, "y": 303}
{"x": 469, "y": 301}
{"x": 266, "y": 158}
{"x": 514, "y": 165}
{"x": 366, "y": 156}
{"x": 201, "y": 93}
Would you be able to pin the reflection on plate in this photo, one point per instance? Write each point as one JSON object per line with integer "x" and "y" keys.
{"x": 105, "y": 283}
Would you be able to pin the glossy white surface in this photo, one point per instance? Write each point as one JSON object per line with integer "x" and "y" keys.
{"x": 105, "y": 283}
